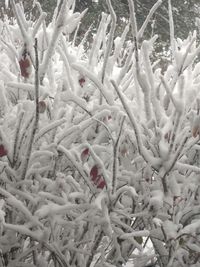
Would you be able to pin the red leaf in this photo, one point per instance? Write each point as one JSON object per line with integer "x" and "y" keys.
{"x": 196, "y": 126}
{"x": 107, "y": 118}
{"x": 96, "y": 177}
{"x": 94, "y": 173}
{"x": 101, "y": 183}
{"x": 81, "y": 81}
{"x": 85, "y": 154}
{"x": 3, "y": 151}
{"x": 25, "y": 67}
{"x": 42, "y": 106}
{"x": 195, "y": 131}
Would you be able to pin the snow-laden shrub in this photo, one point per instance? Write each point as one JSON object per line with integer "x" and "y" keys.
{"x": 99, "y": 150}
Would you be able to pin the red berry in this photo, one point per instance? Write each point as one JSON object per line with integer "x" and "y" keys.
{"x": 3, "y": 151}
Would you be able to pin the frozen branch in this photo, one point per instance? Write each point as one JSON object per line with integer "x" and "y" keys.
{"x": 134, "y": 30}
{"x": 141, "y": 148}
{"x": 171, "y": 27}
{"x": 36, "y": 119}
{"x": 97, "y": 41}
{"x": 96, "y": 81}
{"x": 169, "y": 93}
{"x": 115, "y": 156}
{"x": 38, "y": 24}
{"x": 76, "y": 165}
{"x": 48, "y": 128}
{"x": 148, "y": 18}
{"x": 55, "y": 36}
{"x": 110, "y": 39}
{"x": 16, "y": 138}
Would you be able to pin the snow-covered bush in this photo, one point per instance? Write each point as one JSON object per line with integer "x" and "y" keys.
{"x": 99, "y": 150}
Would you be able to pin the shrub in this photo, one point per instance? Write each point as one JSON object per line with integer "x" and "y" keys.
{"x": 99, "y": 149}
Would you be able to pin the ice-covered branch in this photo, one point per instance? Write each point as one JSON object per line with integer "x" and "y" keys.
{"x": 148, "y": 18}
{"x": 96, "y": 81}
{"x": 171, "y": 27}
{"x": 36, "y": 118}
{"x": 177, "y": 106}
{"x": 115, "y": 156}
{"x": 60, "y": 22}
{"x": 38, "y": 24}
{"x": 110, "y": 39}
{"x": 20, "y": 206}
{"x": 16, "y": 138}
{"x": 97, "y": 41}
{"x": 134, "y": 30}
{"x": 77, "y": 166}
{"x": 20, "y": 22}
{"x": 141, "y": 148}
{"x": 49, "y": 128}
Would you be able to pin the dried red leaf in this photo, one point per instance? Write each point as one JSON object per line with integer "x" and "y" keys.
{"x": 196, "y": 126}
{"x": 107, "y": 118}
{"x": 81, "y": 81}
{"x": 25, "y": 67}
{"x": 195, "y": 131}
{"x": 85, "y": 154}
{"x": 101, "y": 183}
{"x": 177, "y": 199}
{"x": 3, "y": 151}
{"x": 42, "y": 106}
{"x": 94, "y": 173}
